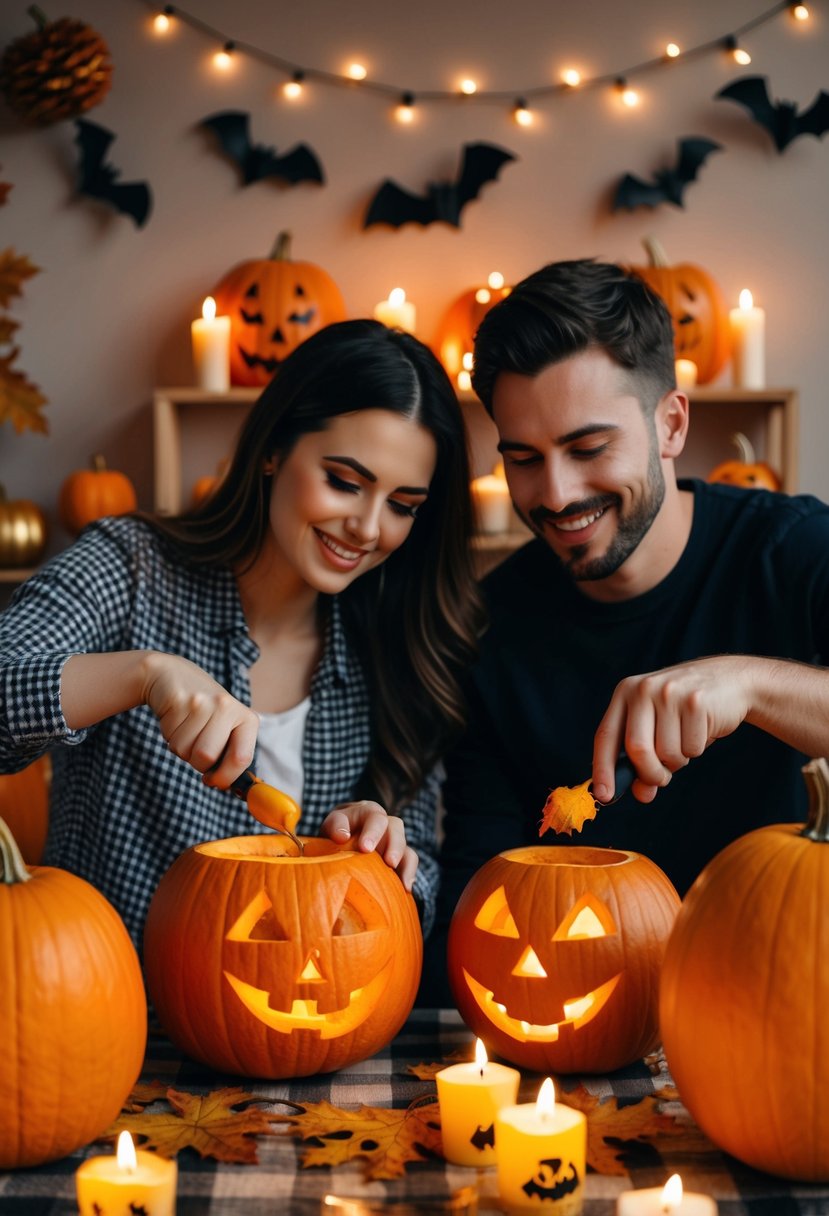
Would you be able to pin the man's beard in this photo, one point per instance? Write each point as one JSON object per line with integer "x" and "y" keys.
{"x": 629, "y": 533}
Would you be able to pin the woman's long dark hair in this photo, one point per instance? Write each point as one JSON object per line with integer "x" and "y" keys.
{"x": 415, "y": 618}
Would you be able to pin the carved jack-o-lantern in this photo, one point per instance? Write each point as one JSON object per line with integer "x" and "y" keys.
{"x": 273, "y": 965}
{"x": 455, "y": 336}
{"x": 554, "y": 955}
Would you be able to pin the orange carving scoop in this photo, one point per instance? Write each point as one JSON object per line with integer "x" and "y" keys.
{"x": 272, "y": 807}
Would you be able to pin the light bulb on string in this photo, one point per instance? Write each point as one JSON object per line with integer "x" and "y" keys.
{"x": 522, "y": 114}
{"x": 356, "y": 71}
{"x": 293, "y": 88}
{"x": 738, "y": 53}
{"x": 223, "y": 59}
{"x": 405, "y": 109}
{"x": 672, "y": 51}
{"x": 800, "y": 12}
{"x": 571, "y": 77}
{"x": 627, "y": 93}
{"x": 161, "y": 21}
{"x": 468, "y": 87}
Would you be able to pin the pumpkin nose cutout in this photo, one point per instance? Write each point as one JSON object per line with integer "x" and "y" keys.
{"x": 310, "y": 972}
{"x": 277, "y": 335}
{"x": 529, "y": 966}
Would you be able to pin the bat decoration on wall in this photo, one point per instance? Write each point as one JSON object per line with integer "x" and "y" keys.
{"x": 256, "y": 161}
{"x": 782, "y": 119}
{"x": 98, "y": 178}
{"x": 667, "y": 185}
{"x": 443, "y": 200}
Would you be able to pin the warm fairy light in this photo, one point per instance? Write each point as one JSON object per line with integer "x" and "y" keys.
{"x": 671, "y": 1197}
{"x": 496, "y": 280}
{"x": 522, "y": 114}
{"x": 672, "y": 50}
{"x": 468, "y": 361}
{"x": 125, "y": 1153}
{"x": 480, "y": 1056}
{"x": 464, "y": 381}
{"x": 571, "y": 76}
{"x": 356, "y": 71}
{"x": 161, "y": 22}
{"x": 405, "y": 110}
{"x": 208, "y": 308}
{"x": 482, "y": 296}
{"x": 629, "y": 96}
{"x": 223, "y": 59}
{"x": 293, "y": 88}
{"x": 800, "y": 12}
{"x": 738, "y": 53}
{"x": 546, "y": 1101}
{"x": 468, "y": 87}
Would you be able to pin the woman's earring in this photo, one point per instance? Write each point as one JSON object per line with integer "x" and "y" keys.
{"x": 269, "y": 468}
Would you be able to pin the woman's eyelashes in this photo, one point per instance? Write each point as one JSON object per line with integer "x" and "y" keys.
{"x": 408, "y": 510}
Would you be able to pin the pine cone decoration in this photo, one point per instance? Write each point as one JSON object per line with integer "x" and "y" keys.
{"x": 61, "y": 70}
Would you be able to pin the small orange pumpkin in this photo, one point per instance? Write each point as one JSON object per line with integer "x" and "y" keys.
{"x": 455, "y": 335}
{"x": 554, "y": 955}
{"x": 702, "y": 331}
{"x": 274, "y": 304}
{"x": 745, "y": 470}
{"x": 73, "y": 1013}
{"x": 272, "y": 965}
{"x": 204, "y": 486}
{"x": 24, "y": 804}
{"x": 23, "y": 533}
{"x": 93, "y": 493}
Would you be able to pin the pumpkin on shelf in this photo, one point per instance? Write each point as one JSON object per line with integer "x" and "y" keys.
{"x": 73, "y": 1012}
{"x": 554, "y": 955}
{"x": 292, "y": 966}
{"x": 274, "y": 304}
{"x": 24, "y": 804}
{"x": 57, "y": 71}
{"x": 745, "y": 470}
{"x": 455, "y": 335}
{"x": 745, "y": 990}
{"x": 204, "y": 486}
{"x": 702, "y": 331}
{"x": 23, "y": 533}
{"x": 89, "y": 494}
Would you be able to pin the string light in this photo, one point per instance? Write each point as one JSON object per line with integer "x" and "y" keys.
{"x": 161, "y": 21}
{"x": 522, "y": 114}
{"x": 468, "y": 87}
{"x": 356, "y": 71}
{"x": 672, "y": 50}
{"x": 628, "y": 95}
{"x": 223, "y": 59}
{"x": 738, "y": 53}
{"x": 292, "y": 89}
{"x": 496, "y": 280}
{"x": 800, "y": 12}
{"x": 405, "y": 110}
{"x": 571, "y": 77}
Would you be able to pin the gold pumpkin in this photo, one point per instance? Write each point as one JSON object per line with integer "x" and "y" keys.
{"x": 22, "y": 533}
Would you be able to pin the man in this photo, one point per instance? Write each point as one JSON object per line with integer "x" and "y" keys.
{"x": 680, "y": 623}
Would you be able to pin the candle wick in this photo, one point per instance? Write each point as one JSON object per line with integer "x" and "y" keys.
{"x": 482, "y": 1070}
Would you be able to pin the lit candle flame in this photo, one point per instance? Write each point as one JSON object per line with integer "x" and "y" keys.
{"x": 397, "y": 296}
{"x": 208, "y": 308}
{"x": 546, "y": 1101}
{"x": 672, "y": 1193}
{"x": 746, "y": 299}
{"x": 496, "y": 280}
{"x": 480, "y": 1055}
{"x": 125, "y": 1153}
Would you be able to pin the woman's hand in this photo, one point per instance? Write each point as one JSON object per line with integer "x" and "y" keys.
{"x": 376, "y": 832}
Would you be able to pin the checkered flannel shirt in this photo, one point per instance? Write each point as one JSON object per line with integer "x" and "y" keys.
{"x": 123, "y": 807}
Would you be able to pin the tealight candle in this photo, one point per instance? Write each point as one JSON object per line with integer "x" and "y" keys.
{"x": 491, "y": 501}
{"x": 686, "y": 373}
{"x": 469, "y": 1096}
{"x": 748, "y": 343}
{"x": 129, "y": 1181}
{"x": 541, "y": 1150}
{"x": 210, "y": 336}
{"x": 665, "y": 1201}
{"x": 397, "y": 312}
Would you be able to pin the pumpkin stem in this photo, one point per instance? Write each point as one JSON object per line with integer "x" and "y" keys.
{"x": 743, "y": 445}
{"x": 38, "y": 16}
{"x": 281, "y": 251}
{"x": 97, "y": 463}
{"x": 12, "y": 866}
{"x": 816, "y": 776}
{"x": 656, "y": 254}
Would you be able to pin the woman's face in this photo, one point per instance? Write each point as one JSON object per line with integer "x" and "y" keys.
{"x": 344, "y": 498}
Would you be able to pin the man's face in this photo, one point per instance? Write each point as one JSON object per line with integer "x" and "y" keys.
{"x": 582, "y": 461}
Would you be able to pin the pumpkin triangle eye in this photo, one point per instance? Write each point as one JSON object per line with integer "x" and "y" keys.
{"x": 252, "y": 292}
{"x": 257, "y": 923}
{"x": 587, "y": 918}
{"x": 495, "y": 916}
{"x": 359, "y": 912}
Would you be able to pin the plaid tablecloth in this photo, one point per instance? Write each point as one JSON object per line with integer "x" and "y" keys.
{"x": 277, "y": 1186}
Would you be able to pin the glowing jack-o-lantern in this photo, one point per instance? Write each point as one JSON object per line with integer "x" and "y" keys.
{"x": 272, "y": 965}
{"x": 554, "y": 955}
{"x": 455, "y": 336}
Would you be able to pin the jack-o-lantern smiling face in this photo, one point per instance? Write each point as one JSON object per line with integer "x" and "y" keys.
{"x": 554, "y": 955}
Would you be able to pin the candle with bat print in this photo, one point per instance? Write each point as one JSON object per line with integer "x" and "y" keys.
{"x": 541, "y": 1150}
{"x": 469, "y": 1096}
{"x": 127, "y": 1183}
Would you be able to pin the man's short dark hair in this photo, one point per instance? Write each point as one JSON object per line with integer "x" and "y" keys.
{"x": 568, "y": 307}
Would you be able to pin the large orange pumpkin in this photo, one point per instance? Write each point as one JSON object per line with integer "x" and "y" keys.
{"x": 455, "y": 335}
{"x": 73, "y": 1014}
{"x": 745, "y": 994}
{"x": 698, "y": 310}
{"x": 24, "y": 804}
{"x": 554, "y": 955}
{"x": 89, "y": 494}
{"x": 274, "y": 304}
{"x": 272, "y": 965}
{"x": 745, "y": 470}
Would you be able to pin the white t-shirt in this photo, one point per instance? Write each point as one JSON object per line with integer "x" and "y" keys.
{"x": 279, "y": 749}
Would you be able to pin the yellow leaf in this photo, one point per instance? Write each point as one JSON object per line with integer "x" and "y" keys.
{"x": 14, "y": 269}
{"x": 386, "y": 1140}
{"x": 20, "y": 400}
{"x": 567, "y": 808}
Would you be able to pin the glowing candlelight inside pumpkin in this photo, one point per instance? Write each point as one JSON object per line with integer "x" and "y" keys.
{"x": 129, "y": 1181}
{"x": 470, "y": 1096}
{"x": 397, "y": 312}
{"x": 748, "y": 337}
{"x": 210, "y": 337}
{"x": 666, "y": 1201}
{"x": 541, "y": 1149}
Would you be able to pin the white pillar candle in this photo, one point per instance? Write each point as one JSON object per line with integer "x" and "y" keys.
{"x": 210, "y": 337}
{"x": 748, "y": 343}
{"x": 665, "y": 1201}
{"x": 686, "y": 373}
{"x": 397, "y": 312}
{"x": 492, "y": 502}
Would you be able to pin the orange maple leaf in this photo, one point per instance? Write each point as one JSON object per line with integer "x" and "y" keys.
{"x": 209, "y": 1123}
{"x": 20, "y": 400}
{"x": 567, "y": 808}
{"x": 384, "y": 1139}
{"x": 14, "y": 270}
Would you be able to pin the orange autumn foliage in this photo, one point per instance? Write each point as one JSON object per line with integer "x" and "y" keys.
{"x": 567, "y": 809}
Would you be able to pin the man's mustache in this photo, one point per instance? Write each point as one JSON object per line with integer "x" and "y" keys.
{"x": 542, "y": 515}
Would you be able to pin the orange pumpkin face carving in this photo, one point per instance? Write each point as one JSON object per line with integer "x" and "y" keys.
{"x": 301, "y": 965}
{"x": 554, "y": 955}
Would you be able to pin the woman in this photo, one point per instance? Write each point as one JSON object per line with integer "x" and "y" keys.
{"x": 322, "y": 601}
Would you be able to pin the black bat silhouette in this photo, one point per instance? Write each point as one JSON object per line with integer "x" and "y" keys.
{"x": 781, "y": 119}
{"x": 255, "y": 161}
{"x": 668, "y": 185}
{"x": 483, "y": 1137}
{"x": 98, "y": 179}
{"x": 443, "y": 200}
{"x": 552, "y": 1190}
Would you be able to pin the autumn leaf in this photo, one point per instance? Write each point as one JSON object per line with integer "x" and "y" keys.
{"x": 144, "y": 1093}
{"x": 20, "y": 400}
{"x": 384, "y": 1139}
{"x": 209, "y": 1123}
{"x": 425, "y": 1072}
{"x": 7, "y": 329}
{"x": 567, "y": 809}
{"x": 5, "y": 187}
{"x": 14, "y": 270}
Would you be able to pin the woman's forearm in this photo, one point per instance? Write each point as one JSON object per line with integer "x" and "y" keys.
{"x": 96, "y": 686}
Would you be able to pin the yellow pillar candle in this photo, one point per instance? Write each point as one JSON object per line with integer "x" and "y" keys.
{"x": 469, "y": 1096}
{"x": 492, "y": 502}
{"x": 541, "y": 1151}
{"x": 397, "y": 312}
{"x": 665, "y": 1201}
{"x": 210, "y": 337}
{"x": 748, "y": 343}
{"x": 127, "y": 1182}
